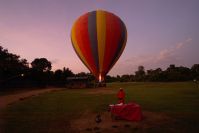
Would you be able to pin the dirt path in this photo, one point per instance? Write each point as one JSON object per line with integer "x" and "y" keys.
{"x": 12, "y": 98}
{"x": 9, "y": 99}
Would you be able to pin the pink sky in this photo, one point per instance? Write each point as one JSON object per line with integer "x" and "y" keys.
{"x": 160, "y": 33}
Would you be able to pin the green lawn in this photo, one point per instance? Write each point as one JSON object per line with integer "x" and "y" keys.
{"x": 52, "y": 112}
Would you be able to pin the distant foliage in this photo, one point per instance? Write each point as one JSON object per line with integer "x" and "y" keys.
{"x": 41, "y": 64}
{"x": 17, "y": 72}
{"x": 11, "y": 68}
{"x": 171, "y": 74}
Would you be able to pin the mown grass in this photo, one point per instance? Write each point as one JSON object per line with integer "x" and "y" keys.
{"x": 52, "y": 112}
{"x": 169, "y": 97}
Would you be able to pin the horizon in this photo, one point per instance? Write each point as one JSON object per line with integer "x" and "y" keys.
{"x": 62, "y": 69}
{"x": 160, "y": 33}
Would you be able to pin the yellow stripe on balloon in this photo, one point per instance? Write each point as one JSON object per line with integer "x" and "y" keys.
{"x": 77, "y": 49}
{"x": 101, "y": 37}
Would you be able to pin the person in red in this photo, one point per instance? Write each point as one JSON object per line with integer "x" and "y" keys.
{"x": 121, "y": 96}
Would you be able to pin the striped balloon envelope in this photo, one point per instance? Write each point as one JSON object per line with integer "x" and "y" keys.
{"x": 99, "y": 38}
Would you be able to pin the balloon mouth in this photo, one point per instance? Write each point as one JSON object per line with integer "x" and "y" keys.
{"x": 100, "y": 78}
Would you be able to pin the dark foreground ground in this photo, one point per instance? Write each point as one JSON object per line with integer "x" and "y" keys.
{"x": 167, "y": 107}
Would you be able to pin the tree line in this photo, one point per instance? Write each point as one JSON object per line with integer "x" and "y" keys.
{"x": 171, "y": 74}
{"x": 17, "y": 72}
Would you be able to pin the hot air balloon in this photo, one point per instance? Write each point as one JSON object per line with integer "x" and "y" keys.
{"x": 99, "y": 38}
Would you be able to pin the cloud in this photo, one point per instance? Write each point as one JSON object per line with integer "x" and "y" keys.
{"x": 54, "y": 61}
{"x": 189, "y": 40}
{"x": 163, "y": 55}
{"x": 169, "y": 53}
{"x": 182, "y": 44}
{"x": 179, "y": 45}
{"x": 160, "y": 59}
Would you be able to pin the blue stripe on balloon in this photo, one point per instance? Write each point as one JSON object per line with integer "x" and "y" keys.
{"x": 92, "y": 30}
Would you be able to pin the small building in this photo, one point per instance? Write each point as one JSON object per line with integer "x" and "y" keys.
{"x": 83, "y": 82}
{"x": 79, "y": 82}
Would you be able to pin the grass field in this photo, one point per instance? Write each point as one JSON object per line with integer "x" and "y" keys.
{"x": 167, "y": 107}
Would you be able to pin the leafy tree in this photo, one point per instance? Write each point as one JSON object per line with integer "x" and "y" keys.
{"x": 125, "y": 78}
{"x": 181, "y": 73}
{"x": 118, "y": 77}
{"x": 11, "y": 64}
{"x": 41, "y": 64}
{"x": 67, "y": 72}
{"x": 195, "y": 71}
{"x": 110, "y": 78}
{"x": 184, "y": 73}
{"x": 60, "y": 76}
{"x": 155, "y": 75}
{"x": 82, "y": 74}
{"x": 131, "y": 77}
{"x": 12, "y": 69}
{"x": 40, "y": 71}
{"x": 140, "y": 74}
{"x": 171, "y": 73}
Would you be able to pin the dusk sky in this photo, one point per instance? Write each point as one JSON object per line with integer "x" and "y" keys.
{"x": 160, "y": 32}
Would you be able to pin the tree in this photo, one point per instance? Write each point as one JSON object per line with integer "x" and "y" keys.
{"x": 125, "y": 78}
{"x": 110, "y": 78}
{"x": 195, "y": 71}
{"x": 41, "y": 71}
{"x": 140, "y": 74}
{"x": 171, "y": 73}
{"x": 11, "y": 69}
{"x": 155, "y": 75}
{"x": 11, "y": 64}
{"x": 58, "y": 75}
{"x": 67, "y": 72}
{"x": 174, "y": 73}
{"x": 118, "y": 77}
{"x": 184, "y": 73}
{"x": 82, "y": 74}
{"x": 41, "y": 64}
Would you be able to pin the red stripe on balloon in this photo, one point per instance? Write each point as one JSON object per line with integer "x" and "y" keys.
{"x": 113, "y": 35}
{"x": 83, "y": 42}
{"x": 121, "y": 44}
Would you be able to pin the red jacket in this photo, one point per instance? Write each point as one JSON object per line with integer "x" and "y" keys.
{"x": 121, "y": 94}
